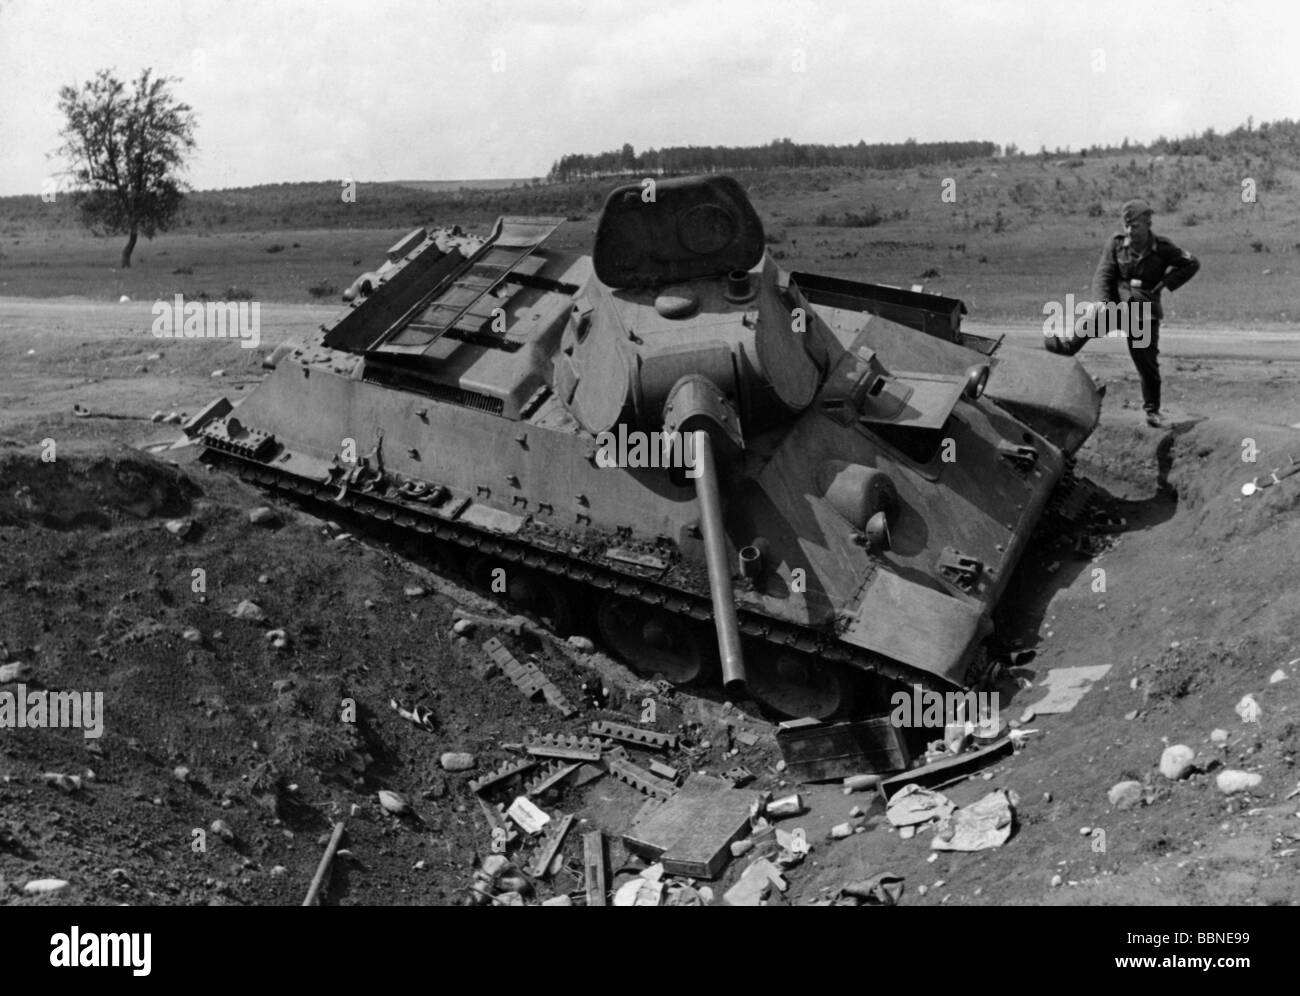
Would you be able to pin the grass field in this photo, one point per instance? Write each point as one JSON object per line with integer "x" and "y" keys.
{"x": 1011, "y": 235}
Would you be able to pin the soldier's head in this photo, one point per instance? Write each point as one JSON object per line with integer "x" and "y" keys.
{"x": 1136, "y": 215}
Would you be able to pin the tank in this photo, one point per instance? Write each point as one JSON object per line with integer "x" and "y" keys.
{"x": 803, "y": 487}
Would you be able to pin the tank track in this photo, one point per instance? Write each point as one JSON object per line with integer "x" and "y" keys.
{"x": 818, "y": 643}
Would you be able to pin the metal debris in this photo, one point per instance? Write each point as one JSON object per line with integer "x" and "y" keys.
{"x": 637, "y": 737}
{"x": 570, "y": 747}
{"x": 528, "y": 677}
{"x": 551, "y": 845}
{"x": 504, "y": 771}
{"x": 640, "y": 779}
{"x": 550, "y": 776}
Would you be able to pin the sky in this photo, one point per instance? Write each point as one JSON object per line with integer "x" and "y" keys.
{"x": 284, "y": 90}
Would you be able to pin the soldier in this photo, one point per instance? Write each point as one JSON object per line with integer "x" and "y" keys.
{"x": 1135, "y": 267}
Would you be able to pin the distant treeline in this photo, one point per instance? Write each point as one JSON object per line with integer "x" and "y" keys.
{"x": 329, "y": 204}
{"x": 1279, "y": 139}
{"x": 776, "y": 154}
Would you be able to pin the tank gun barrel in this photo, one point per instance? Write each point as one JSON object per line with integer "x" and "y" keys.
{"x": 715, "y": 554}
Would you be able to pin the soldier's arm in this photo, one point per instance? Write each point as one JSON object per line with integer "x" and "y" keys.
{"x": 1105, "y": 282}
{"x": 1180, "y": 265}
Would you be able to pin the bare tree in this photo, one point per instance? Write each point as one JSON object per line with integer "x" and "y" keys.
{"x": 126, "y": 151}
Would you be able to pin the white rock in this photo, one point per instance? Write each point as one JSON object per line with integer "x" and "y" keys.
{"x": 842, "y": 830}
{"x": 452, "y": 761}
{"x": 222, "y": 829}
{"x": 179, "y": 527}
{"x": 1276, "y": 676}
{"x": 181, "y": 773}
{"x": 1176, "y": 761}
{"x": 1123, "y": 795}
{"x": 1248, "y": 709}
{"x": 15, "y": 671}
{"x": 262, "y": 515}
{"x": 463, "y": 627}
{"x": 278, "y": 637}
{"x": 248, "y": 610}
{"x": 1056, "y": 881}
{"x": 218, "y": 373}
{"x": 393, "y": 802}
{"x": 193, "y": 635}
{"x": 582, "y": 644}
{"x": 1028, "y": 715}
{"x": 157, "y": 416}
{"x": 1231, "y": 781}
{"x": 1085, "y": 831}
{"x": 413, "y": 591}
{"x": 45, "y": 886}
{"x": 1219, "y": 736}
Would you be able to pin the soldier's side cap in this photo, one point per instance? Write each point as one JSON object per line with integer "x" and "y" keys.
{"x": 1135, "y": 209}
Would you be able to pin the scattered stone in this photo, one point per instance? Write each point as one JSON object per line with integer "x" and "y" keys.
{"x": 582, "y": 644}
{"x": 45, "y": 886}
{"x": 1124, "y": 795}
{"x": 279, "y": 870}
{"x": 741, "y": 847}
{"x": 1219, "y": 736}
{"x": 452, "y": 761}
{"x": 248, "y": 610}
{"x": 1131, "y": 714}
{"x": 179, "y": 527}
{"x": 1248, "y": 709}
{"x": 157, "y": 416}
{"x": 1276, "y": 676}
{"x": 218, "y": 373}
{"x": 842, "y": 830}
{"x": 192, "y": 634}
{"x": 790, "y": 805}
{"x": 1085, "y": 831}
{"x": 1047, "y": 797}
{"x": 173, "y": 418}
{"x": 263, "y": 515}
{"x": 462, "y": 627}
{"x": 1056, "y": 881}
{"x": 1028, "y": 715}
{"x": 1176, "y": 761}
{"x": 278, "y": 637}
{"x": 68, "y": 783}
{"x": 1232, "y": 781}
{"x": 855, "y": 811}
{"x": 222, "y": 829}
{"x": 393, "y": 802}
{"x": 181, "y": 773}
{"x": 413, "y": 591}
{"x": 264, "y": 579}
{"x": 780, "y": 765}
{"x": 15, "y": 671}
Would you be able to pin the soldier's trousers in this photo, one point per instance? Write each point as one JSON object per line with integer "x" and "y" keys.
{"x": 1145, "y": 354}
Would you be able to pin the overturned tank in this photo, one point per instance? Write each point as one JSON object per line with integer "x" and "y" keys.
{"x": 779, "y": 480}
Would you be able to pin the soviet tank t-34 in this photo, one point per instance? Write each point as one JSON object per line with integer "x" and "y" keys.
{"x": 775, "y": 479}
